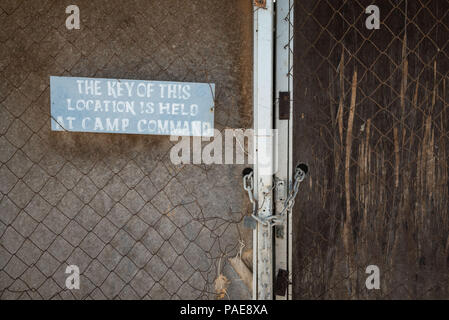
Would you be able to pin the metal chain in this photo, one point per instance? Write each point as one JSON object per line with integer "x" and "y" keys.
{"x": 300, "y": 175}
{"x": 248, "y": 185}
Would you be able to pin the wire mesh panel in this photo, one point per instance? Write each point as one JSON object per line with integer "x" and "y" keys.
{"x": 137, "y": 226}
{"x": 371, "y": 120}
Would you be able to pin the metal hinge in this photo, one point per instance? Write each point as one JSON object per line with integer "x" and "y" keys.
{"x": 284, "y": 105}
{"x": 281, "y": 190}
{"x": 281, "y": 283}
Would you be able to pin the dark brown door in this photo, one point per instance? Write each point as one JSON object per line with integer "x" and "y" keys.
{"x": 371, "y": 121}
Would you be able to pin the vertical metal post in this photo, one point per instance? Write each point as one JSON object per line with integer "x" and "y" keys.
{"x": 283, "y": 154}
{"x": 290, "y": 144}
{"x": 263, "y": 148}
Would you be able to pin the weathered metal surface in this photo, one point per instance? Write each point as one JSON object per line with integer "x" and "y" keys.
{"x": 283, "y": 159}
{"x": 371, "y": 121}
{"x": 137, "y": 226}
{"x": 284, "y": 105}
{"x": 263, "y": 149}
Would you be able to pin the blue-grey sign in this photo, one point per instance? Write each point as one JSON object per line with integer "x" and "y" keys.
{"x": 132, "y": 106}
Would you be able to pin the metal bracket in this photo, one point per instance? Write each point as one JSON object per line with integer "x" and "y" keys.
{"x": 281, "y": 190}
{"x": 284, "y": 105}
{"x": 261, "y": 3}
{"x": 281, "y": 284}
{"x": 281, "y": 193}
{"x": 279, "y": 231}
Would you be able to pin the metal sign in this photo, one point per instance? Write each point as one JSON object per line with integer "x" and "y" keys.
{"x": 132, "y": 106}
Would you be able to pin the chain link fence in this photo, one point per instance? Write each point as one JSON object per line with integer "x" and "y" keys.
{"x": 137, "y": 226}
{"x": 371, "y": 119}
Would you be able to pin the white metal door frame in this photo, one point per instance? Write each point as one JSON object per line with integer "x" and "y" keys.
{"x": 272, "y": 159}
{"x": 283, "y": 149}
{"x": 263, "y": 149}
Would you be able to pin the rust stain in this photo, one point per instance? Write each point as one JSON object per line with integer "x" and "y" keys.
{"x": 404, "y": 75}
{"x": 404, "y": 82}
{"x": 260, "y": 3}
{"x": 347, "y": 226}
{"x": 342, "y": 96}
{"x": 349, "y": 147}
{"x": 397, "y": 157}
{"x": 435, "y": 85}
{"x": 340, "y": 114}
